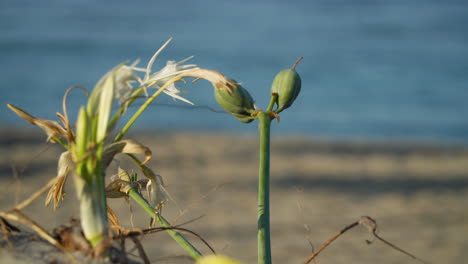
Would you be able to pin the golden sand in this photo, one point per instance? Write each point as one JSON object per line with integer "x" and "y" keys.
{"x": 418, "y": 193}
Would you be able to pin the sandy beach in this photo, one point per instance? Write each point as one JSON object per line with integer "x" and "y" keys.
{"x": 417, "y": 193}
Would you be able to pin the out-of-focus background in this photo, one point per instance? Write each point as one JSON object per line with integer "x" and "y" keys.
{"x": 378, "y": 69}
{"x": 380, "y": 127}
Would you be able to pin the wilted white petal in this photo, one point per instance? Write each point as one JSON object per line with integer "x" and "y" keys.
{"x": 151, "y": 61}
{"x": 124, "y": 77}
{"x": 170, "y": 68}
{"x": 156, "y": 192}
{"x": 158, "y": 79}
{"x": 185, "y": 60}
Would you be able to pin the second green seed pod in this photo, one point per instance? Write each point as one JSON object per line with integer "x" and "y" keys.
{"x": 287, "y": 84}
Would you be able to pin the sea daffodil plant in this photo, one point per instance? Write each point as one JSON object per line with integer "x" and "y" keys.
{"x": 92, "y": 143}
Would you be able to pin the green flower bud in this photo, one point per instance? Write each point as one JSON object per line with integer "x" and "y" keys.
{"x": 81, "y": 139}
{"x": 236, "y": 100}
{"x": 287, "y": 84}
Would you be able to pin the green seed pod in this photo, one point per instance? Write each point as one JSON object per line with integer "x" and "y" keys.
{"x": 287, "y": 84}
{"x": 236, "y": 100}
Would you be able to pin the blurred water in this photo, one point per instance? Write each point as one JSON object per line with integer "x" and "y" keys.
{"x": 371, "y": 69}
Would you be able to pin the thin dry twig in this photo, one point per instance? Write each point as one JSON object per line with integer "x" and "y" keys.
{"x": 28, "y": 163}
{"x": 121, "y": 231}
{"x": 141, "y": 250}
{"x": 18, "y": 184}
{"x": 17, "y": 215}
{"x": 65, "y": 120}
{"x": 7, "y": 228}
{"x": 197, "y": 201}
{"x": 6, "y": 235}
{"x": 138, "y": 232}
{"x": 371, "y": 225}
{"x": 329, "y": 241}
{"x": 17, "y": 172}
{"x": 306, "y": 226}
{"x": 34, "y": 196}
{"x": 124, "y": 253}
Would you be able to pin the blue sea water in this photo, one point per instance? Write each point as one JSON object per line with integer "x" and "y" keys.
{"x": 372, "y": 69}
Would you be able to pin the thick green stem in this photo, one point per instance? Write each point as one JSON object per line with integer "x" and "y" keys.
{"x": 93, "y": 207}
{"x": 92, "y": 210}
{"x": 263, "y": 235}
{"x": 180, "y": 239}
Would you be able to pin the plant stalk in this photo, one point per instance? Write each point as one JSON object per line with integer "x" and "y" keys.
{"x": 179, "y": 238}
{"x": 92, "y": 208}
{"x": 93, "y": 220}
{"x": 263, "y": 229}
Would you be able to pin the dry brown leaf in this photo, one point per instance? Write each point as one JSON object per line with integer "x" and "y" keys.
{"x": 51, "y": 128}
{"x": 126, "y": 146}
{"x": 64, "y": 167}
{"x": 113, "y": 220}
{"x": 64, "y": 120}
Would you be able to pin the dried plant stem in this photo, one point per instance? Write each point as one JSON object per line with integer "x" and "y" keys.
{"x": 329, "y": 241}
{"x": 195, "y": 203}
{"x": 33, "y": 197}
{"x": 138, "y": 232}
{"x": 141, "y": 251}
{"x": 399, "y": 249}
{"x": 18, "y": 216}
{"x": 179, "y": 238}
{"x": 371, "y": 225}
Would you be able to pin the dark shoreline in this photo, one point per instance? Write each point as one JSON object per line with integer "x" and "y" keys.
{"x": 292, "y": 142}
